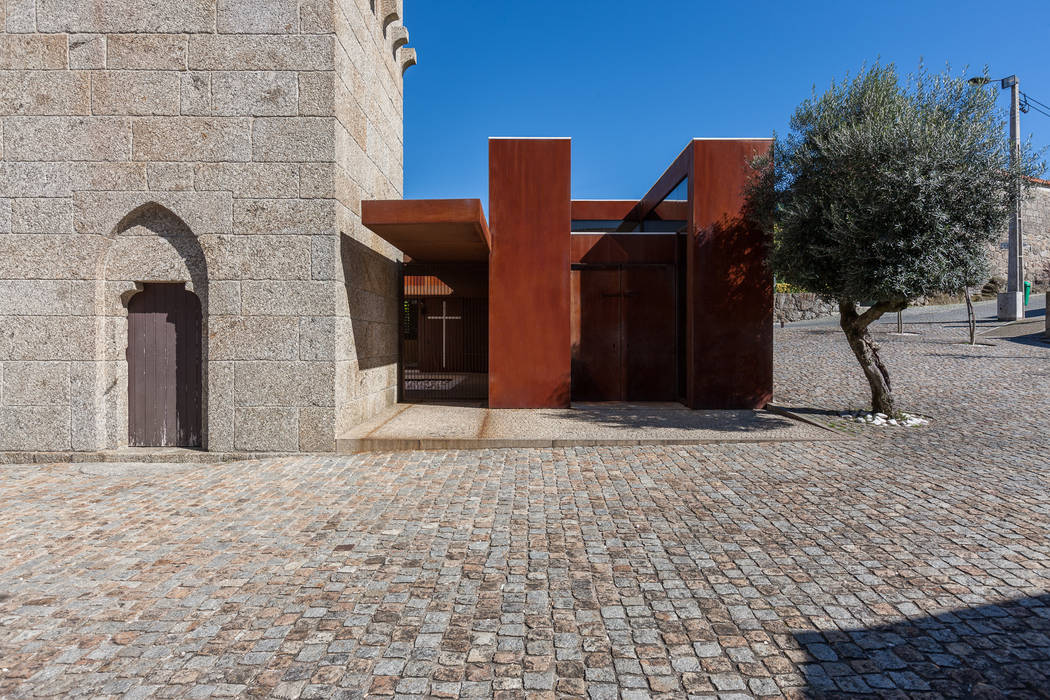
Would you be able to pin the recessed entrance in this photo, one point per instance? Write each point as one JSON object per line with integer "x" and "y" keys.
{"x": 444, "y": 333}
{"x": 164, "y": 367}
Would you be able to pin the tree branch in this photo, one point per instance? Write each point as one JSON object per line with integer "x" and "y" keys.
{"x": 878, "y": 309}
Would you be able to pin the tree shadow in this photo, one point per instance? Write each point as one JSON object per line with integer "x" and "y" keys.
{"x": 989, "y": 651}
{"x": 679, "y": 418}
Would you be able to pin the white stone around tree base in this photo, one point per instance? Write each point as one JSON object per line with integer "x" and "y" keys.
{"x": 901, "y": 420}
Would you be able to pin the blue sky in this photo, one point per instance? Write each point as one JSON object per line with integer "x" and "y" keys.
{"x": 633, "y": 81}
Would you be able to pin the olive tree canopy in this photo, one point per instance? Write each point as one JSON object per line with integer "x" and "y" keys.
{"x": 885, "y": 191}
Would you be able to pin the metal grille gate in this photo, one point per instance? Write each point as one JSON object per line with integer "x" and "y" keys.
{"x": 444, "y": 337}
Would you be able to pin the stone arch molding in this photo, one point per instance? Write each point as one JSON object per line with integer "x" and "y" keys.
{"x": 150, "y": 243}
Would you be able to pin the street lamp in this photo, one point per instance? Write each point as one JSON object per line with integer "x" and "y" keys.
{"x": 1011, "y": 302}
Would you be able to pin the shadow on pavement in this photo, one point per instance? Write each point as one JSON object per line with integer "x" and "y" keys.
{"x": 991, "y": 651}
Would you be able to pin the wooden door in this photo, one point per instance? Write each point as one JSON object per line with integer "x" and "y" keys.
{"x": 597, "y": 370}
{"x": 649, "y": 320}
{"x": 164, "y": 367}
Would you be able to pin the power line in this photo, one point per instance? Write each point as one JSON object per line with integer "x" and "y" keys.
{"x": 1029, "y": 103}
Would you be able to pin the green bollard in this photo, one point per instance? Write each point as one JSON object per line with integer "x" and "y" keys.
{"x": 1027, "y": 292}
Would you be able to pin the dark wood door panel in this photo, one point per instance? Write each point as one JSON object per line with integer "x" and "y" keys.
{"x": 164, "y": 367}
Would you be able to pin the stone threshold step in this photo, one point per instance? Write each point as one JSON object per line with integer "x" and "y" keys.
{"x": 360, "y": 445}
{"x": 143, "y": 456}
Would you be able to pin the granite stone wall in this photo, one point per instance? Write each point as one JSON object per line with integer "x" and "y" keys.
{"x": 225, "y": 144}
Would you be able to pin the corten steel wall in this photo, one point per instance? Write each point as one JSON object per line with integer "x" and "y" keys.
{"x": 729, "y": 334}
{"x": 530, "y": 218}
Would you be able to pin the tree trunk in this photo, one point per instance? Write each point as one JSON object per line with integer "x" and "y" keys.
{"x": 970, "y": 317}
{"x": 866, "y": 350}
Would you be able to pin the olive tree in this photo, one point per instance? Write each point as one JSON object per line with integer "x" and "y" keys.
{"x": 885, "y": 191}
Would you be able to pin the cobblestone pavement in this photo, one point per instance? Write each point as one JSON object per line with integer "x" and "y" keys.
{"x": 901, "y": 563}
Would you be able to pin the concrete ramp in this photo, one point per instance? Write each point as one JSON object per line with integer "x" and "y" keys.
{"x": 447, "y": 427}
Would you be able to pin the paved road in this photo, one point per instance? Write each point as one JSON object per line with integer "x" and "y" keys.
{"x": 904, "y": 563}
{"x": 949, "y": 314}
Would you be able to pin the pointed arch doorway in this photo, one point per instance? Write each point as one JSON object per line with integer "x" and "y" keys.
{"x": 164, "y": 367}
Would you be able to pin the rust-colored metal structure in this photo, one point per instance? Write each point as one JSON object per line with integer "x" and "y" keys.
{"x": 530, "y": 216}
{"x": 667, "y": 298}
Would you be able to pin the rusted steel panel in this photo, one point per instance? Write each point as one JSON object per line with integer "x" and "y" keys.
{"x": 729, "y": 333}
{"x": 529, "y": 325}
{"x": 649, "y": 333}
{"x": 618, "y": 248}
{"x": 597, "y": 363}
{"x": 431, "y": 230}
{"x": 625, "y": 345}
{"x": 612, "y": 209}
{"x": 164, "y": 367}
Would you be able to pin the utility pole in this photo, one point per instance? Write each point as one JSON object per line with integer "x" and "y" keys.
{"x": 1011, "y": 302}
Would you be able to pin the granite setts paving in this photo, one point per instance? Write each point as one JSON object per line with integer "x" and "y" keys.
{"x": 909, "y": 564}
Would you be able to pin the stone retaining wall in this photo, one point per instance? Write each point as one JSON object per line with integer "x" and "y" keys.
{"x": 801, "y": 307}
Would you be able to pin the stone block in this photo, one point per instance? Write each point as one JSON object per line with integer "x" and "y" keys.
{"x": 147, "y": 51}
{"x": 36, "y": 256}
{"x": 86, "y": 429}
{"x": 219, "y": 421}
{"x": 42, "y": 215}
{"x": 325, "y": 258}
{"x": 253, "y": 338}
{"x": 48, "y": 338}
{"x": 255, "y": 257}
{"x": 140, "y": 93}
{"x": 114, "y": 404}
{"x": 258, "y": 16}
{"x": 302, "y": 217}
{"x": 317, "y": 94}
{"x": 284, "y": 384}
{"x": 293, "y": 139}
{"x": 317, "y": 338}
{"x": 67, "y": 139}
{"x": 5, "y": 216}
{"x": 242, "y": 52}
{"x": 253, "y": 93}
{"x": 33, "y": 52}
{"x": 256, "y": 180}
{"x": 195, "y": 94}
{"x": 35, "y": 180}
{"x": 192, "y": 139}
{"x": 87, "y": 51}
{"x": 224, "y": 298}
{"x": 20, "y": 17}
{"x": 34, "y": 428}
{"x": 316, "y": 429}
{"x": 317, "y": 181}
{"x": 203, "y": 212}
{"x": 316, "y": 16}
{"x": 45, "y": 92}
{"x": 287, "y": 298}
{"x": 36, "y": 384}
{"x": 172, "y": 177}
{"x": 35, "y": 297}
{"x": 266, "y": 429}
{"x": 125, "y": 16}
{"x": 153, "y": 259}
{"x": 106, "y": 176}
